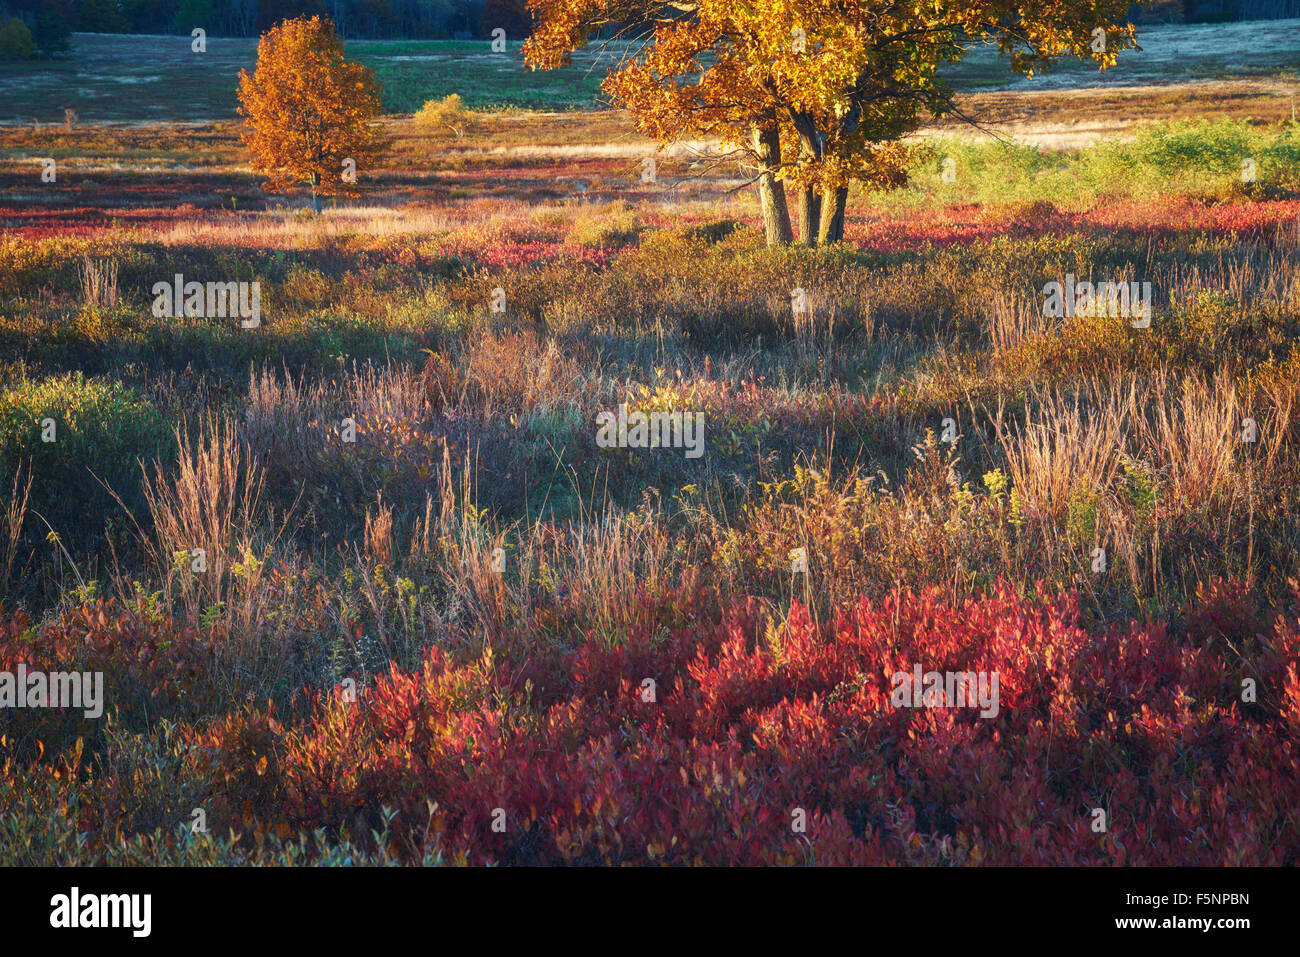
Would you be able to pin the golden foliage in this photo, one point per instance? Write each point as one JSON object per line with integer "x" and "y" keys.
{"x": 310, "y": 113}
{"x": 843, "y": 80}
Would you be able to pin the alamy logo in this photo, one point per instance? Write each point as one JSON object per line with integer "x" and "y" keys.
{"x": 55, "y": 689}
{"x": 655, "y": 430}
{"x": 1131, "y": 300}
{"x": 102, "y": 910}
{"x": 946, "y": 689}
{"x": 212, "y": 300}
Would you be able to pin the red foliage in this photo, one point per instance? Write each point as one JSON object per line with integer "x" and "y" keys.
{"x": 150, "y": 666}
{"x": 1144, "y": 723}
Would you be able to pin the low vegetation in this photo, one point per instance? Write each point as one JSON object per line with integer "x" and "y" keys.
{"x": 428, "y": 603}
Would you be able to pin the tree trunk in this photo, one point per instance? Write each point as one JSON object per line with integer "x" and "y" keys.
{"x": 811, "y": 148}
{"x": 810, "y": 215}
{"x": 315, "y": 202}
{"x": 771, "y": 191}
{"x": 832, "y": 224}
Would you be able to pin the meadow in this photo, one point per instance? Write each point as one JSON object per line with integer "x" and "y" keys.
{"x": 434, "y": 622}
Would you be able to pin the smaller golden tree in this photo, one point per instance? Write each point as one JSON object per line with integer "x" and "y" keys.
{"x": 310, "y": 114}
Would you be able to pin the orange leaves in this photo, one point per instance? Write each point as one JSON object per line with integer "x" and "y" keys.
{"x": 309, "y": 112}
{"x": 837, "y": 84}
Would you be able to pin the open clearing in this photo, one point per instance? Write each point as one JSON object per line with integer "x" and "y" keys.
{"x": 366, "y": 571}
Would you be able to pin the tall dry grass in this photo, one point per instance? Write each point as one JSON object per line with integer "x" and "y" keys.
{"x": 1065, "y": 446}
{"x": 15, "y": 516}
{"x": 1131, "y": 463}
{"x": 1013, "y": 320}
{"x": 210, "y": 502}
{"x": 1190, "y": 432}
{"x": 499, "y": 576}
{"x": 98, "y": 279}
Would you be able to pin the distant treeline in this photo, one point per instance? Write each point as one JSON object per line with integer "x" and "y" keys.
{"x": 1213, "y": 11}
{"x": 388, "y": 19}
{"x": 50, "y": 22}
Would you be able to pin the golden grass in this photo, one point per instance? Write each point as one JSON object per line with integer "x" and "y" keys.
{"x": 209, "y": 503}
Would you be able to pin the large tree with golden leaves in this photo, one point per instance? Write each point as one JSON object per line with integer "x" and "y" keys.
{"x": 310, "y": 114}
{"x": 818, "y": 93}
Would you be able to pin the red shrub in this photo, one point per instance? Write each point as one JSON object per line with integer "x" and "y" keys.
{"x": 749, "y": 737}
{"x": 150, "y": 667}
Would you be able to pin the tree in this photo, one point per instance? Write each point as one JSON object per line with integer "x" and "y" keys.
{"x": 195, "y": 13}
{"x": 51, "y": 33}
{"x": 816, "y": 93}
{"x": 509, "y": 15}
{"x": 309, "y": 112}
{"x": 16, "y": 41}
{"x": 102, "y": 16}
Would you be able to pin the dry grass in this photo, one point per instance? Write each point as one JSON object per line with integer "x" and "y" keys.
{"x": 501, "y": 577}
{"x": 15, "y": 515}
{"x": 377, "y": 535}
{"x": 1063, "y": 449}
{"x": 1013, "y": 320}
{"x": 98, "y": 279}
{"x": 1191, "y": 433}
{"x": 1130, "y": 463}
{"x": 384, "y": 393}
{"x": 210, "y": 503}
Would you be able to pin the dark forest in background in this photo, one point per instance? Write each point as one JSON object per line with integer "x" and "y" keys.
{"x": 418, "y": 19}
{"x": 50, "y": 22}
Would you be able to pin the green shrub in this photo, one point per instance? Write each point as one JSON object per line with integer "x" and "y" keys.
{"x": 614, "y": 224}
{"x": 1189, "y": 157}
{"x": 99, "y": 431}
{"x": 16, "y": 41}
{"x": 448, "y": 112}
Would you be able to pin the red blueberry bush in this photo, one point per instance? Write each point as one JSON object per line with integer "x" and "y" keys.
{"x": 553, "y": 755}
{"x": 151, "y": 665}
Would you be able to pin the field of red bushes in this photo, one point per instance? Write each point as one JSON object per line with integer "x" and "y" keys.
{"x": 754, "y": 744}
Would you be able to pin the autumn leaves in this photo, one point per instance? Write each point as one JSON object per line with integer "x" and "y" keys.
{"x": 310, "y": 113}
{"x": 814, "y": 94}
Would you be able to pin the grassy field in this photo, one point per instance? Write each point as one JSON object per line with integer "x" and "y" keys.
{"x": 107, "y": 78}
{"x": 455, "y": 607}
